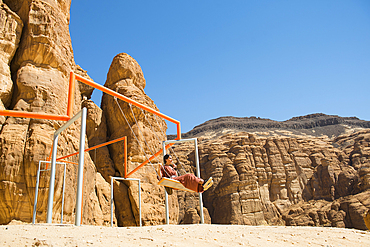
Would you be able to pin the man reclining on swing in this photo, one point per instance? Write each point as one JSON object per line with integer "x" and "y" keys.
{"x": 189, "y": 180}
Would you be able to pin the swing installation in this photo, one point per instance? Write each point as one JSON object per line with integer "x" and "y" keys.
{"x": 116, "y": 95}
{"x": 142, "y": 107}
{"x": 70, "y": 118}
{"x": 163, "y": 181}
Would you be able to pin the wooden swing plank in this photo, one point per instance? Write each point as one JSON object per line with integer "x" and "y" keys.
{"x": 172, "y": 183}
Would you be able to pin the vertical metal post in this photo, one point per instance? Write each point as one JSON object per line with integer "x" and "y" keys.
{"x": 139, "y": 202}
{"x": 165, "y": 191}
{"x": 198, "y": 175}
{"x": 52, "y": 180}
{"x": 167, "y": 210}
{"x": 80, "y": 168}
{"x": 64, "y": 181}
{"x": 111, "y": 201}
{"x": 36, "y": 194}
{"x": 125, "y": 156}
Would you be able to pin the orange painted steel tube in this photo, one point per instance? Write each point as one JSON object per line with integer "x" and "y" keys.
{"x": 39, "y": 115}
{"x": 71, "y": 93}
{"x": 49, "y": 158}
{"x": 148, "y": 160}
{"x": 125, "y": 157}
{"x": 178, "y": 131}
{"x": 70, "y": 162}
{"x": 124, "y": 98}
{"x": 42, "y": 115}
{"x": 95, "y": 147}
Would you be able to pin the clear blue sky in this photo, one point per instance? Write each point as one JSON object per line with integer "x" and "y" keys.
{"x": 206, "y": 59}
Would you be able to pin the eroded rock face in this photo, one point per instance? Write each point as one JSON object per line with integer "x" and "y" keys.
{"x": 36, "y": 59}
{"x": 11, "y": 29}
{"x": 46, "y": 39}
{"x": 144, "y": 132}
{"x": 346, "y": 211}
{"x": 40, "y": 60}
{"x": 283, "y": 180}
{"x": 255, "y": 178}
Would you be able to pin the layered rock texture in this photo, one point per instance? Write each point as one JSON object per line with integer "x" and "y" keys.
{"x": 280, "y": 177}
{"x": 145, "y": 133}
{"x": 36, "y": 58}
{"x": 317, "y": 125}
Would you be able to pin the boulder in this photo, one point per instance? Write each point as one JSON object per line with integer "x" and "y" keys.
{"x": 37, "y": 52}
{"x": 145, "y": 133}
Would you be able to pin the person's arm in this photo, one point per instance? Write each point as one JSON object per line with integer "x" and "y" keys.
{"x": 173, "y": 171}
{"x": 163, "y": 173}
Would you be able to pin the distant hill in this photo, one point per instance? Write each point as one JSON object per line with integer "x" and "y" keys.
{"x": 317, "y": 124}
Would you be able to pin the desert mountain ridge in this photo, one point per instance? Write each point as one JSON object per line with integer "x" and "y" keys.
{"x": 316, "y": 125}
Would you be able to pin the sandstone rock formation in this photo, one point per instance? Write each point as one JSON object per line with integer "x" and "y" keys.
{"x": 286, "y": 180}
{"x": 145, "y": 133}
{"x": 11, "y": 28}
{"x": 36, "y": 60}
{"x": 312, "y": 125}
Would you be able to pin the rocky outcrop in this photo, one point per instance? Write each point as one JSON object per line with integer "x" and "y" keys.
{"x": 35, "y": 64}
{"x": 36, "y": 59}
{"x": 315, "y": 125}
{"x": 145, "y": 133}
{"x": 285, "y": 180}
{"x": 348, "y": 211}
{"x": 11, "y": 29}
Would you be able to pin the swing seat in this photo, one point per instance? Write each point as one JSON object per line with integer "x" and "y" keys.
{"x": 174, "y": 184}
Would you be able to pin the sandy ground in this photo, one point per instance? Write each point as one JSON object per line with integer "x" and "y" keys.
{"x": 179, "y": 235}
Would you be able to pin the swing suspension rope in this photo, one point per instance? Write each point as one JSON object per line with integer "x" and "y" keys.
{"x": 158, "y": 139}
{"x": 155, "y": 133}
{"x": 135, "y": 134}
{"x": 145, "y": 139}
{"x": 170, "y": 148}
{"x": 156, "y": 136}
{"x": 192, "y": 196}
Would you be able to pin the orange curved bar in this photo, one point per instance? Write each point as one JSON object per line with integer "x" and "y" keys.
{"x": 42, "y": 115}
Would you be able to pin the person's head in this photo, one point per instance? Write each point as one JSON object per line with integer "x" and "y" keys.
{"x": 167, "y": 159}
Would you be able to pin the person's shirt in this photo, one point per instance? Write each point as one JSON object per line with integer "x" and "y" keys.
{"x": 168, "y": 172}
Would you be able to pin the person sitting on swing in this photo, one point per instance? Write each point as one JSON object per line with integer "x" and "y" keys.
{"x": 189, "y": 180}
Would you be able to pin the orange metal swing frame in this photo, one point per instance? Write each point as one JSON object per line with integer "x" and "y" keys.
{"x": 71, "y": 92}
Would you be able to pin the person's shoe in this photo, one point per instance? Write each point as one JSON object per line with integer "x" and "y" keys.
{"x": 207, "y": 184}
